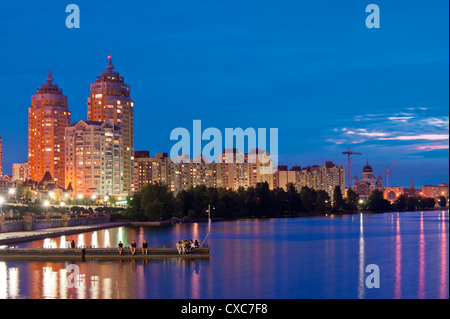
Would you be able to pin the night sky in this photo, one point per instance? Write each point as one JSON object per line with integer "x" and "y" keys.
{"x": 312, "y": 69}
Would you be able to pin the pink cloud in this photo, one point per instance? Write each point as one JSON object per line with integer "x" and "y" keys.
{"x": 432, "y": 147}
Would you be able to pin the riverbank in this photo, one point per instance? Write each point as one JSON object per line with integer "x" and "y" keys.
{"x": 13, "y": 238}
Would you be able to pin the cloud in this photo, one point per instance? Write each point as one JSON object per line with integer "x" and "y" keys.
{"x": 430, "y": 137}
{"x": 364, "y": 132}
{"x": 432, "y": 147}
{"x": 434, "y": 121}
{"x": 400, "y": 118}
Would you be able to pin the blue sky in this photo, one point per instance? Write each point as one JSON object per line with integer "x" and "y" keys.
{"x": 312, "y": 69}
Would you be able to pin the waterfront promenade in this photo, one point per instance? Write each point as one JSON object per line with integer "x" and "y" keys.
{"x": 11, "y": 238}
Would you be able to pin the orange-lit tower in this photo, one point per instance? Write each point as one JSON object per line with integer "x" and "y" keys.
{"x": 110, "y": 100}
{"x": 48, "y": 117}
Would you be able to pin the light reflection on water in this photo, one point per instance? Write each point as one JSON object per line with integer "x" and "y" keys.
{"x": 277, "y": 258}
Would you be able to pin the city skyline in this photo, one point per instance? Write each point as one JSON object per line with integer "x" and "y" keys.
{"x": 327, "y": 83}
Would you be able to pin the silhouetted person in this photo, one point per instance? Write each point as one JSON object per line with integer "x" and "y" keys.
{"x": 144, "y": 248}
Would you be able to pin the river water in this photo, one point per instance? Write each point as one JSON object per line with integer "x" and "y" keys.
{"x": 308, "y": 257}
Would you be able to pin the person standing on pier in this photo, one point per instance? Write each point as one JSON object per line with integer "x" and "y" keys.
{"x": 72, "y": 244}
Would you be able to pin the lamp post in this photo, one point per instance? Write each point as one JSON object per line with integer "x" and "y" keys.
{"x": 11, "y": 192}
{"x": 46, "y": 205}
{"x": 209, "y": 224}
{"x": 105, "y": 201}
{"x": 1, "y": 203}
{"x": 93, "y": 198}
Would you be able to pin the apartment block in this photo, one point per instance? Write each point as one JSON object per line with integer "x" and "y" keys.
{"x": 94, "y": 159}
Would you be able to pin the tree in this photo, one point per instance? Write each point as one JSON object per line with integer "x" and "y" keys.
{"x": 294, "y": 199}
{"x": 351, "y": 201}
{"x": 338, "y": 200}
{"x": 323, "y": 202}
{"x": 401, "y": 203}
{"x": 442, "y": 201}
{"x": 157, "y": 201}
{"x": 308, "y": 197}
{"x": 377, "y": 203}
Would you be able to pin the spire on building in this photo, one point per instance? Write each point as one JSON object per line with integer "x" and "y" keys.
{"x": 110, "y": 66}
{"x": 412, "y": 190}
{"x": 50, "y": 79}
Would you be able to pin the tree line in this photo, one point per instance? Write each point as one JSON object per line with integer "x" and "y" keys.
{"x": 156, "y": 201}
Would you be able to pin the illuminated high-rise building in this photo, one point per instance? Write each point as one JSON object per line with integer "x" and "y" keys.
{"x": 94, "y": 159}
{"x": 1, "y": 157}
{"x": 110, "y": 100}
{"x": 48, "y": 117}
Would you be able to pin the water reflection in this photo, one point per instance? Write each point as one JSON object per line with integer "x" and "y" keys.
{"x": 398, "y": 261}
{"x": 443, "y": 289}
{"x": 361, "y": 288}
{"x": 421, "y": 290}
{"x": 279, "y": 258}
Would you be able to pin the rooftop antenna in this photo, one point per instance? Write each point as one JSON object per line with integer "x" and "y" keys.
{"x": 110, "y": 66}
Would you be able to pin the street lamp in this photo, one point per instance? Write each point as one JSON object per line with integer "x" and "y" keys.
{"x": 79, "y": 197}
{"x": 11, "y": 192}
{"x": 46, "y": 205}
{"x": 93, "y": 198}
{"x": 1, "y": 202}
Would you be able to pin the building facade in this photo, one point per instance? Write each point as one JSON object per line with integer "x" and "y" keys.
{"x": 20, "y": 172}
{"x": 110, "y": 100}
{"x": 325, "y": 177}
{"x": 435, "y": 191}
{"x": 367, "y": 184}
{"x": 94, "y": 159}
{"x": 48, "y": 117}
{"x": 1, "y": 157}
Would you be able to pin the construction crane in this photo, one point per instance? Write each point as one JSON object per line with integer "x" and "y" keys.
{"x": 349, "y": 152}
{"x": 387, "y": 173}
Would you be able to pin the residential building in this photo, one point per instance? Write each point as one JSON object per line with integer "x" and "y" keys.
{"x": 48, "y": 117}
{"x": 325, "y": 177}
{"x": 94, "y": 159}
{"x": 283, "y": 177}
{"x": 110, "y": 100}
{"x": 435, "y": 191}
{"x": 20, "y": 172}
{"x": 1, "y": 157}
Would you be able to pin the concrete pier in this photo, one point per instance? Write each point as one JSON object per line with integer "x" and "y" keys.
{"x": 97, "y": 253}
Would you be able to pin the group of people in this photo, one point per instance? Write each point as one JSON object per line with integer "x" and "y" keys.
{"x": 133, "y": 247}
{"x": 70, "y": 244}
{"x": 185, "y": 247}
